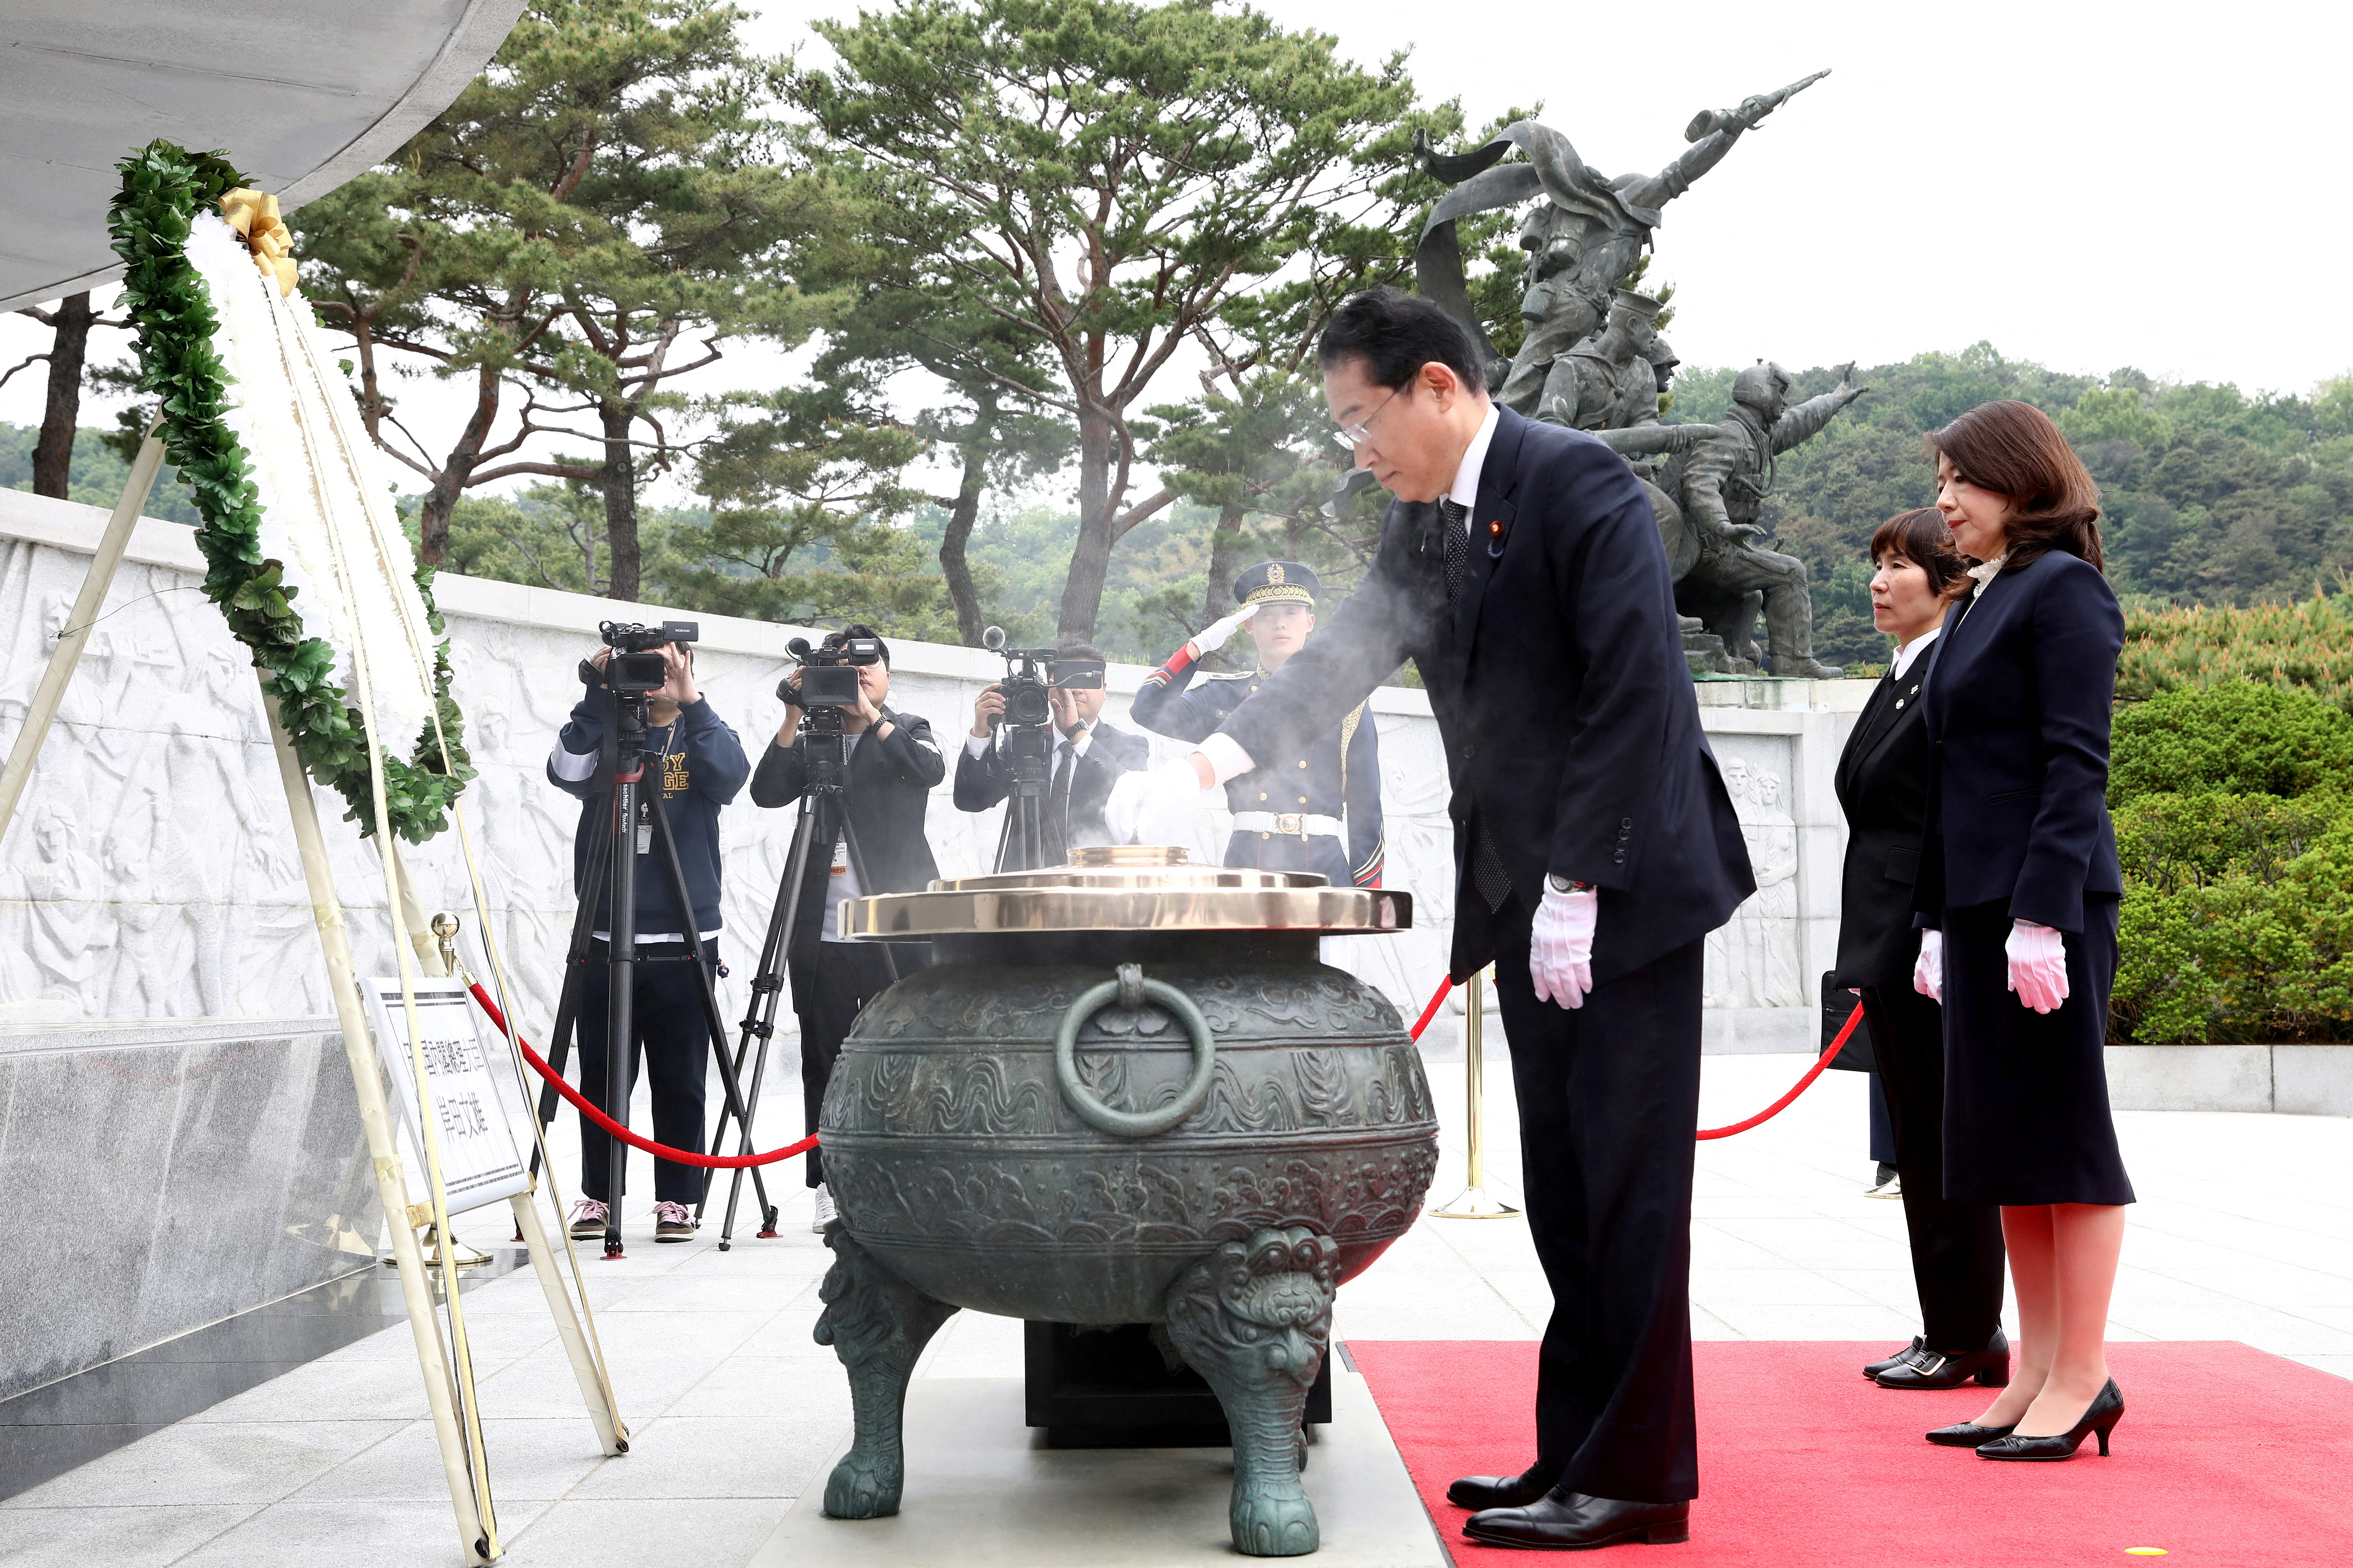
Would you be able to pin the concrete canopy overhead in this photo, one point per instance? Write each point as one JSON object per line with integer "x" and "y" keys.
{"x": 301, "y": 94}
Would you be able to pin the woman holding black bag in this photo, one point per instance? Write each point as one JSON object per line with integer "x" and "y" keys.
{"x": 1882, "y": 784}
{"x": 2022, "y": 881}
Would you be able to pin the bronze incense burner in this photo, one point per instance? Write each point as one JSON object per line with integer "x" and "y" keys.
{"x": 1127, "y": 1092}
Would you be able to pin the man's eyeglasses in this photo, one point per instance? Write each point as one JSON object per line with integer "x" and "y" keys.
{"x": 1354, "y": 436}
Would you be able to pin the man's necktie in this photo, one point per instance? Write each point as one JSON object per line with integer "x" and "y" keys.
{"x": 1454, "y": 523}
{"x": 1058, "y": 794}
{"x": 1487, "y": 873}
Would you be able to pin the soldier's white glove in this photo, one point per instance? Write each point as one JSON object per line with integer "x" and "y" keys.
{"x": 1928, "y": 969}
{"x": 1213, "y": 637}
{"x": 1157, "y": 807}
{"x": 2038, "y": 966}
{"x": 1560, "y": 946}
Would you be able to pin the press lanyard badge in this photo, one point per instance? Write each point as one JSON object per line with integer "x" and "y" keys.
{"x": 840, "y": 856}
{"x": 644, "y": 828}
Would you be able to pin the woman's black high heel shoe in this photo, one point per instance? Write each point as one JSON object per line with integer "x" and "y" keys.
{"x": 1968, "y": 1435}
{"x": 2106, "y": 1409}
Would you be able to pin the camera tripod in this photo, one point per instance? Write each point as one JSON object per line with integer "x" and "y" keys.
{"x": 1022, "y": 750}
{"x": 616, "y": 868}
{"x": 824, "y": 817}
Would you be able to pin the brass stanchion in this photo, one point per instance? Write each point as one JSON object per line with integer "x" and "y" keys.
{"x": 1473, "y": 1202}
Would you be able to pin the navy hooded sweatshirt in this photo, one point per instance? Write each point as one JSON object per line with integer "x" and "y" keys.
{"x": 701, "y": 767}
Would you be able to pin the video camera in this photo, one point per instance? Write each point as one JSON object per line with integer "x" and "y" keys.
{"x": 1026, "y": 687}
{"x": 637, "y": 668}
{"x": 828, "y": 671}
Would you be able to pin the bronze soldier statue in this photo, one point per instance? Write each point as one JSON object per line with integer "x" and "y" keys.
{"x": 1581, "y": 238}
{"x": 1722, "y": 486}
{"x": 1609, "y": 382}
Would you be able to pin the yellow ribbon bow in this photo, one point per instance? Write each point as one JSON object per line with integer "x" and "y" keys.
{"x": 254, "y": 217}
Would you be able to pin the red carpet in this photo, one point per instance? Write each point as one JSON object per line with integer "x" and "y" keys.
{"x": 2226, "y": 1457}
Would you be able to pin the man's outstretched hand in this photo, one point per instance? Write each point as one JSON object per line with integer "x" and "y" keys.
{"x": 1158, "y": 808}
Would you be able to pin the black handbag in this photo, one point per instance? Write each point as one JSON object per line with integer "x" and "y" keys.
{"x": 1838, "y": 1005}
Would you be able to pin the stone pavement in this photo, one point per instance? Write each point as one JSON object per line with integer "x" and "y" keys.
{"x": 2244, "y": 1231}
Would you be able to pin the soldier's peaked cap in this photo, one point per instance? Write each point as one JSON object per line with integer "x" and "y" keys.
{"x": 1278, "y": 582}
{"x": 1642, "y": 305}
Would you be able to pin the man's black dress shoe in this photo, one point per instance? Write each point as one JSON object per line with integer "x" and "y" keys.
{"x": 1904, "y": 1357}
{"x": 1567, "y": 1521}
{"x": 1502, "y": 1491}
{"x": 2108, "y": 1408}
{"x": 1933, "y": 1369}
{"x": 1968, "y": 1435}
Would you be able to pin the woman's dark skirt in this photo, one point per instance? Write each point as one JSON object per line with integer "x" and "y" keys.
{"x": 2026, "y": 1093}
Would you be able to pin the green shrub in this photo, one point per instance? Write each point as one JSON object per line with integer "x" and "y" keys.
{"x": 2237, "y": 922}
{"x": 2243, "y": 738}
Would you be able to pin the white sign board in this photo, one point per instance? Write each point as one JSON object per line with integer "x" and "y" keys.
{"x": 477, "y": 1146}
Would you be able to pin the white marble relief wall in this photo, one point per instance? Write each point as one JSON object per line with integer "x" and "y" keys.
{"x": 1753, "y": 960}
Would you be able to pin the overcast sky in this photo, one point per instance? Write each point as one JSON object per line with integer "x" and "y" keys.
{"x": 2091, "y": 185}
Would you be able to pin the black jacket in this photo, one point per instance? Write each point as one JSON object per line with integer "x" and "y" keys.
{"x": 1561, "y": 692}
{"x": 1882, "y": 786}
{"x": 887, "y": 784}
{"x": 703, "y": 771}
{"x": 980, "y": 785}
{"x": 2017, "y": 707}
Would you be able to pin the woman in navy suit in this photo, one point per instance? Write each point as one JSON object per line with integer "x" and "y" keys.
{"x": 2022, "y": 881}
{"x": 1885, "y": 783}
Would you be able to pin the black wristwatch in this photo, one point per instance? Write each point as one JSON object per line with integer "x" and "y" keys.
{"x": 1564, "y": 884}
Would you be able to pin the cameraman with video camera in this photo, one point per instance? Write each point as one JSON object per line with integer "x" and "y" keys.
{"x": 701, "y": 765}
{"x": 891, "y": 765}
{"x": 1084, "y": 757}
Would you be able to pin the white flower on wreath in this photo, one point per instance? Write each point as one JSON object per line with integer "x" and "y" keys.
{"x": 289, "y": 406}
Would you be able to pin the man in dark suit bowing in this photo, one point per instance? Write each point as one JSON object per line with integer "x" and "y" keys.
{"x": 1088, "y": 756}
{"x": 1595, "y": 847}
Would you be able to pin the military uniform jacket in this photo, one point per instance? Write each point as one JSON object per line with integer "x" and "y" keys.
{"x": 1339, "y": 775}
{"x": 1558, "y": 682}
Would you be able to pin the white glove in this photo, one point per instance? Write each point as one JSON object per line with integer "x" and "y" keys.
{"x": 1157, "y": 807}
{"x": 1560, "y": 946}
{"x": 1213, "y": 637}
{"x": 2038, "y": 966}
{"x": 1928, "y": 969}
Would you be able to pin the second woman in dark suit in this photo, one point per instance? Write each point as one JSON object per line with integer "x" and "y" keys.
{"x": 1883, "y": 782}
{"x": 2022, "y": 880}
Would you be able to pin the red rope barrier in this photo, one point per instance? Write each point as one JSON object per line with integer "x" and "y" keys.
{"x": 1445, "y": 984}
{"x": 587, "y": 1107}
{"x": 1781, "y": 1104}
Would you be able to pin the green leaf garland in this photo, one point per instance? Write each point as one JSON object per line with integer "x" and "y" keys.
{"x": 164, "y": 187}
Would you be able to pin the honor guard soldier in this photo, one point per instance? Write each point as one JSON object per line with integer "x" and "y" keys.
{"x": 1320, "y": 812}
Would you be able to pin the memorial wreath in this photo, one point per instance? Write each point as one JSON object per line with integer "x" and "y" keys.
{"x": 209, "y": 287}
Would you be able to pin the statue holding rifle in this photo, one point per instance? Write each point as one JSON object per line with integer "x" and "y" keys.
{"x": 1582, "y": 237}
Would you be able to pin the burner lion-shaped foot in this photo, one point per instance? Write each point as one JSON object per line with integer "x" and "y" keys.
{"x": 878, "y": 1324}
{"x": 1253, "y": 1318}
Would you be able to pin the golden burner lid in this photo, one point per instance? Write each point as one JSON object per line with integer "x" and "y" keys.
{"x": 1142, "y": 887}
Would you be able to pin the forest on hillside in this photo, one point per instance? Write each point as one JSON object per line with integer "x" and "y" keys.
{"x": 2211, "y": 496}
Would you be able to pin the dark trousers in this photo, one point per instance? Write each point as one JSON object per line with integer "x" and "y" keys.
{"x": 1609, "y": 1098}
{"x": 1957, "y": 1252}
{"x": 673, "y": 1045}
{"x": 1882, "y": 1122}
{"x": 829, "y": 986}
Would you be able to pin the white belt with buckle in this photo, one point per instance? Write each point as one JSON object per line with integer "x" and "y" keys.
{"x": 1287, "y": 823}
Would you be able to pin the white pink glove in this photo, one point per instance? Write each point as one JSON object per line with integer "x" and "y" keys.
{"x": 1157, "y": 807}
{"x": 1213, "y": 637}
{"x": 1560, "y": 946}
{"x": 2038, "y": 966}
{"x": 1928, "y": 969}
